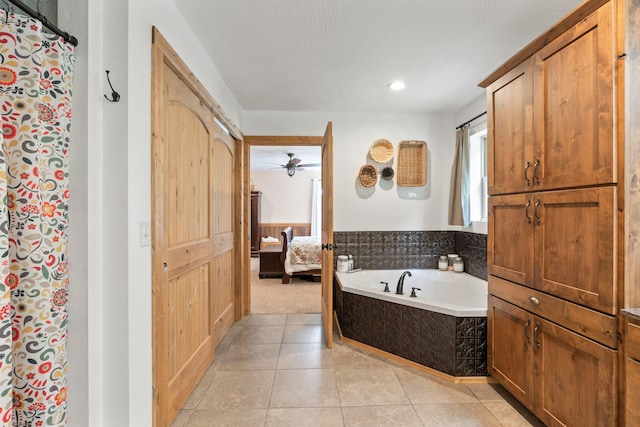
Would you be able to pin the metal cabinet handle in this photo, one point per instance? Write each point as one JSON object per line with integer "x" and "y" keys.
{"x": 526, "y": 331}
{"x": 534, "y": 300}
{"x": 536, "y": 180}
{"x": 535, "y": 334}
{"x": 535, "y": 211}
{"x": 526, "y": 211}
{"x": 526, "y": 169}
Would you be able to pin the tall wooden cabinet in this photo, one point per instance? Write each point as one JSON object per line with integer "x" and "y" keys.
{"x": 256, "y": 197}
{"x": 561, "y": 174}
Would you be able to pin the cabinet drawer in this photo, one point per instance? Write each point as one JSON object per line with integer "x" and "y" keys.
{"x": 581, "y": 320}
{"x": 633, "y": 341}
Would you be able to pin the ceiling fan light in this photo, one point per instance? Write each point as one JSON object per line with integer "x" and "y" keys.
{"x": 291, "y": 170}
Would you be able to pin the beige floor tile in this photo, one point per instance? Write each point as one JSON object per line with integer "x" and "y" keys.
{"x": 242, "y": 357}
{"x": 231, "y": 418}
{"x": 304, "y": 319}
{"x": 361, "y": 387}
{"x": 490, "y": 392}
{"x": 456, "y": 414}
{"x": 254, "y": 334}
{"x": 266, "y": 319}
{"x": 423, "y": 388}
{"x": 379, "y": 416}
{"x": 345, "y": 358}
{"x": 302, "y": 334}
{"x": 301, "y": 388}
{"x": 200, "y": 389}
{"x": 182, "y": 418}
{"x": 304, "y": 356}
{"x": 304, "y": 417}
{"x": 235, "y": 328}
{"x": 238, "y": 389}
{"x": 514, "y": 415}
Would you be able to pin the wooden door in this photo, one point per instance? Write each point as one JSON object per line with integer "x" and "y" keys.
{"x": 327, "y": 234}
{"x": 222, "y": 199}
{"x": 575, "y": 244}
{"x": 509, "y": 356}
{"x": 573, "y": 105}
{"x": 192, "y": 233}
{"x": 510, "y": 132}
{"x": 575, "y": 378}
{"x": 510, "y": 249}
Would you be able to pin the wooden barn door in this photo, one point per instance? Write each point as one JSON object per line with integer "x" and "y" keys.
{"x": 192, "y": 233}
{"x": 327, "y": 234}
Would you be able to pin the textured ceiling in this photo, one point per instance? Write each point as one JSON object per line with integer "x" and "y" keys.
{"x": 339, "y": 55}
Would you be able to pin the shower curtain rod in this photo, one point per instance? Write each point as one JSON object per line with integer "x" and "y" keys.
{"x": 34, "y": 14}
{"x": 469, "y": 121}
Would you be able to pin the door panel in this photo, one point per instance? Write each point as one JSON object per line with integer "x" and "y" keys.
{"x": 575, "y": 246}
{"x": 192, "y": 233}
{"x": 510, "y": 131}
{"x": 576, "y": 378}
{"x": 509, "y": 357}
{"x": 574, "y": 105}
{"x": 510, "y": 249}
{"x": 222, "y": 203}
{"x": 327, "y": 234}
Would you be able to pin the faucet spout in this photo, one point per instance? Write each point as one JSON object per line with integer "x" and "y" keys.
{"x": 400, "y": 285}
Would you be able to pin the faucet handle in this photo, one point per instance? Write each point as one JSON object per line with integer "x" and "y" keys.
{"x": 386, "y": 286}
{"x": 413, "y": 292}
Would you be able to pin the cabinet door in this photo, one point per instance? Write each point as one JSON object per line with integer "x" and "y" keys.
{"x": 573, "y": 106}
{"x": 575, "y": 246}
{"x": 575, "y": 378}
{"x": 632, "y": 394}
{"x": 509, "y": 355}
{"x": 510, "y": 131}
{"x": 510, "y": 249}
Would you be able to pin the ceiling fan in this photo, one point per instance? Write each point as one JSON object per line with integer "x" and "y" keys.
{"x": 294, "y": 164}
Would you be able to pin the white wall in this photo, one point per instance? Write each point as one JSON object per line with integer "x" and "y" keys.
{"x": 384, "y": 208}
{"x": 285, "y": 199}
{"x": 110, "y": 376}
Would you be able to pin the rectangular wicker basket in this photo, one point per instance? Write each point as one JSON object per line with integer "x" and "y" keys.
{"x": 412, "y": 164}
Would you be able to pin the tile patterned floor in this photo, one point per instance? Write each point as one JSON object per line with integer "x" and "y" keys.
{"x": 273, "y": 370}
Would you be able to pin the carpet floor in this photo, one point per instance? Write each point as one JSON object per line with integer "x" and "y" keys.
{"x": 270, "y": 296}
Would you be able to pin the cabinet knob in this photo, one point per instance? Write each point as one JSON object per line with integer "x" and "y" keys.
{"x": 534, "y": 300}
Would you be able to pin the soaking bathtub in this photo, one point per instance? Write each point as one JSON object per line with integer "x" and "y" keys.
{"x": 446, "y": 292}
{"x": 443, "y": 328}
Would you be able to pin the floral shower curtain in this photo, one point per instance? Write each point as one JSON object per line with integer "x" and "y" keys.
{"x": 36, "y": 72}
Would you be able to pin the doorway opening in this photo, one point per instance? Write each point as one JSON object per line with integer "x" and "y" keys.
{"x": 285, "y": 186}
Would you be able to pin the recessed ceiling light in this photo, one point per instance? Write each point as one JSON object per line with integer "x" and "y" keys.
{"x": 397, "y": 85}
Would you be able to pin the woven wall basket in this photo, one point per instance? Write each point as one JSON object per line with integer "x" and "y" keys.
{"x": 368, "y": 176}
{"x": 412, "y": 164}
{"x": 381, "y": 150}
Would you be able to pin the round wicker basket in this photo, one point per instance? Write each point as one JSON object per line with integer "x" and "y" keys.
{"x": 368, "y": 176}
{"x": 381, "y": 150}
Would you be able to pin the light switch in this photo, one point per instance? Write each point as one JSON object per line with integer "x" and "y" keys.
{"x": 145, "y": 233}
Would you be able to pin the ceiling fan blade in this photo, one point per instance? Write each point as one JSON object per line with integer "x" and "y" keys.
{"x": 294, "y": 161}
{"x": 310, "y": 165}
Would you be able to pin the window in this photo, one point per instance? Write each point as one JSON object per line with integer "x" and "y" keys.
{"x": 478, "y": 172}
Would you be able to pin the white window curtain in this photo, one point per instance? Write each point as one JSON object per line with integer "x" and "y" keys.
{"x": 316, "y": 207}
{"x": 459, "y": 206}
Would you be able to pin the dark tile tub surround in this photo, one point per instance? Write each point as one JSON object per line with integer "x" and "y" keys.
{"x": 455, "y": 346}
{"x": 412, "y": 249}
